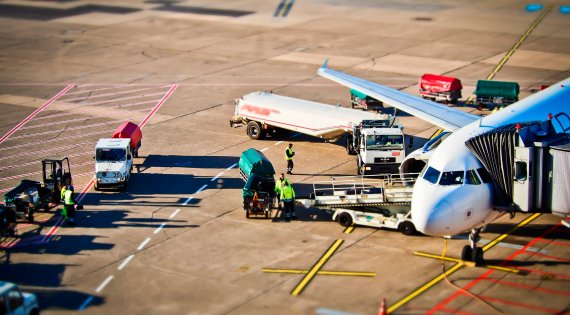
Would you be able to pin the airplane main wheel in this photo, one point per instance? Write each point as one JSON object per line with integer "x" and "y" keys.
{"x": 466, "y": 253}
{"x": 345, "y": 219}
{"x": 477, "y": 255}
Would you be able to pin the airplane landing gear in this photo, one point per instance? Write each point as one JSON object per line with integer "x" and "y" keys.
{"x": 472, "y": 252}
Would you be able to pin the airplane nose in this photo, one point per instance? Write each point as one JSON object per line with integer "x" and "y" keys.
{"x": 435, "y": 220}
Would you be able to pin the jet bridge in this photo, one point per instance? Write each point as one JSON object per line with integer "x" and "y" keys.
{"x": 529, "y": 163}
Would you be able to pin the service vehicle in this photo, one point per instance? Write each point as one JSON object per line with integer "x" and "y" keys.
{"x": 496, "y": 93}
{"x": 440, "y": 88}
{"x": 382, "y": 201}
{"x": 15, "y": 302}
{"x": 8, "y": 222}
{"x": 30, "y": 196}
{"x": 114, "y": 157}
{"x": 377, "y": 139}
{"x": 259, "y": 190}
{"x": 361, "y": 100}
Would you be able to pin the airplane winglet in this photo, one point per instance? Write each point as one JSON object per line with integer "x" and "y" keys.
{"x": 325, "y": 64}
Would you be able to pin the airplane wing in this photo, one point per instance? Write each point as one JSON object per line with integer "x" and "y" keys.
{"x": 440, "y": 115}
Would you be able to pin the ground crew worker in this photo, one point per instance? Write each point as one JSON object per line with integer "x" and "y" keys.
{"x": 69, "y": 205}
{"x": 278, "y": 187}
{"x": 289, "y": 157}
{"x": 288, "y": 197}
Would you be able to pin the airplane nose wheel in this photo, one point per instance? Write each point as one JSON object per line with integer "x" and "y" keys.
{"x": 472, "y": 252}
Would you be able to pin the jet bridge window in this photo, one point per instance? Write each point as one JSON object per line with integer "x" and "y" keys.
{"x": 471, "y": 178}
{"x": 431, "y": 175}
{"x": 452, "y": 178}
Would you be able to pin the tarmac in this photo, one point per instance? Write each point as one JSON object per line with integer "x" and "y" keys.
{"x": 178, "y": 242}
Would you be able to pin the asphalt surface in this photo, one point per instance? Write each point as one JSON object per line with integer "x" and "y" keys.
{"x": 178, "y": 241}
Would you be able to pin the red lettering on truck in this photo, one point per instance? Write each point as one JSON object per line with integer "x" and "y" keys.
{"x": 258, "y": 110}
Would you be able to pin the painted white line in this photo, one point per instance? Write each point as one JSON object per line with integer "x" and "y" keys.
{"x": 121, "y": 99}
{"x": 39, "y": 172}
{"x": 38, "y": 152}
{"x": 187, "y": 201}
{"x": 68, "y": 129}
{"x": 63, "y": 140}
{"x": 278, "y": 143}
{"x": 86, "y": 303}
{"x": 233, "y": 165}
{"x": 159, "y": 228}
{"x": 126, "y": 262}
{"x": 217, "y": 176}
{"x": 143, "y": 244}
{"x": 61, "y": 122}
{"x": 36, "y": 162}
{"x": 110, "y": 94}
{"x": 32, "y": 115}
{"x": 88, "y": 110}
{"x": 328, "y": 311}
{"x": 174, "y": 213}
{"x": 200, "y": 190}
{"x": 264, "y": 149}
{"x": 515, "y": 246}
{"x": 103, "y": 284}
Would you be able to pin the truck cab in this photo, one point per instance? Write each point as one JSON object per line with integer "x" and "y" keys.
{"x": 15, "y": 302}
{"x": 113, "y": 163}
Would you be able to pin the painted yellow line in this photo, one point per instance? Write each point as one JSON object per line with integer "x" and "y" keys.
{"x": 501, "y": 237}
{"x": 519, "y": 42}
{"x": 322, "y": 272}
{"x": 435, "y": 280}
{"x": 311, "y": 274}
{"x": 284, "y": 7}
{"x": 349, "y": 229}
{"x": 424, "y": 288}
{"x": 500, "y": 65}
{"x": 466, "y": 263}
{"x": 436, "y": 133}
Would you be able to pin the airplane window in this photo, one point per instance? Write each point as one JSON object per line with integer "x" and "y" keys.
{"x": 431, "y": 175}
{"x": 451, "y": 178}
{"x": 484, "y": 174}
{"x": 472, "y": 178}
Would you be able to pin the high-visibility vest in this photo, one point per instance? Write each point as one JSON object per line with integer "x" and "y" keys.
{"x": 279, "y": 185}
{"x": 288, "y": 154}
{"x": 287, "y": 193}
{"x": 63, "y": 190}
{"x": 68, "y": 200}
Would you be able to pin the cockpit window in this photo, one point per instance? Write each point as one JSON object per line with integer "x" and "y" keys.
{"x": 471, "y": 178}
{"x": 485, "y": 176}
{"x": 451, "y": 178}
{"x": 431, "y": 175}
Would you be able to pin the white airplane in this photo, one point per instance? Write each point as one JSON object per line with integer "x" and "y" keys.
{"x": 453, "y": 193}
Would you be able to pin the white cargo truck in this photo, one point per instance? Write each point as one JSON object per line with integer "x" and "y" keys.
{"x": 113, "y": 163}
{"x": 376, "y": 139}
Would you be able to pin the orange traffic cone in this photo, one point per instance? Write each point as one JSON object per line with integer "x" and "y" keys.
{"x": 383, "y": 309}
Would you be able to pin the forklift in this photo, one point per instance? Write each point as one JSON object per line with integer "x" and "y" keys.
{"x": 30, "y": 196}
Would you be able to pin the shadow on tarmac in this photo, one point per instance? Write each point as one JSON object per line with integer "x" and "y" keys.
{"x": 530, "y": 230}
{"x": 210, "y": 161}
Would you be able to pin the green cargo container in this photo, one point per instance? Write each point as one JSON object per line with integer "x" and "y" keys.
{"x": 362, "y": 100}
{"x": 257, "y": 172}
{"x": 497, "y": 89}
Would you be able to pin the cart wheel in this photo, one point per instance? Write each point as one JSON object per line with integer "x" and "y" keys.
{"x": 407, "y": 228}
{"x": 247, "y": 213}
{"x": 267, "y": 214}
{"x": 96, "y": 186}
{"x": 345, "y": 219}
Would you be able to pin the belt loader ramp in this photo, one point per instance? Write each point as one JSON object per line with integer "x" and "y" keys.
{"x": 382, "y": 201}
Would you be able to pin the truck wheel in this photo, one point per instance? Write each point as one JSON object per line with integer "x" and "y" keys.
{"x": 345, "y": 219}
{"x": 247, "y": 214}
{"x": 254, "y": 131}
{"x": 407, "y": 228}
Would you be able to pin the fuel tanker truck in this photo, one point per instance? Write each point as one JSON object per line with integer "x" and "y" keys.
{"x": 376, "y": 139}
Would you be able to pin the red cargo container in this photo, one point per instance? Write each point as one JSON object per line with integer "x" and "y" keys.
{"x": 439, "y": 87}
{"x": 132, "y": 131}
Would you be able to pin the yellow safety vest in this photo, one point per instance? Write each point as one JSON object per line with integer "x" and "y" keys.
{"x": 287, "y": 193}
{"x": 288, "y": 152}
{"x": 279, "y": 185}
{"x": 68, "y": 197}
{"x": 63, "y": 190}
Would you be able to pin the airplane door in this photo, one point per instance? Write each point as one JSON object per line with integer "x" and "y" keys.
{"x": 523, "y": 185}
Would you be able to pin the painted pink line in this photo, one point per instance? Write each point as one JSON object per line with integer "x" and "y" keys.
{"x": 92, "y": 110}
{"x": 32, "y": 115}
{"x": 110, "y": 94}
{"x": 66, "y": 122}
{"x": 157, "y": 107}
{"x": 39, "y": 172}
{"x": 58, "y": 224}
{"x": 68, "y": 129}
{"x": 121, "y": 99}
{"x": 37, "y": 153}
